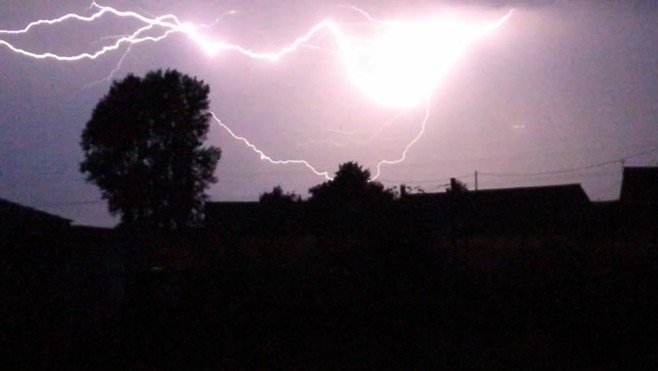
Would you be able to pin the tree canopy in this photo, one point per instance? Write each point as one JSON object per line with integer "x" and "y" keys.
{"x": 351, "y": 185}
{"x": 143, "y": 147}
{"x": 278, "y": 197}
{"x": 351, "y": 202}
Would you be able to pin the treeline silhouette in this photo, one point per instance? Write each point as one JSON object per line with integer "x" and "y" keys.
{"x": 355, "y": 283}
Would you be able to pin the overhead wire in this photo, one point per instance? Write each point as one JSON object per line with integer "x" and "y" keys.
{"x": 68, "y": 204}
{"x": 573, "y": 169}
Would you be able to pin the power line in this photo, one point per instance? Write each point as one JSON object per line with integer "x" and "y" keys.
{"x": 69, "y": 204}
{"x": 542, "y": 173}
{"x": 574, "y": 169}
{"x": 424, "y": 181}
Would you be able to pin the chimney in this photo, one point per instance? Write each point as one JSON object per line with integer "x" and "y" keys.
{"x": 403, "y": 191}
{"x": 453, "y": 185}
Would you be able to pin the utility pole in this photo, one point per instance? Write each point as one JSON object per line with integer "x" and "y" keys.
{"x": 476, "y": 180}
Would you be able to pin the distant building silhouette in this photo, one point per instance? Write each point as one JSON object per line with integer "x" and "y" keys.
{"x": 501, "y": 211}
{"x": 557, "y": 208}
{"x": 639, "y": 198}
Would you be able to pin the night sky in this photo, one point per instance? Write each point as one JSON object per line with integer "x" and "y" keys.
{"x": 561, "y": 85}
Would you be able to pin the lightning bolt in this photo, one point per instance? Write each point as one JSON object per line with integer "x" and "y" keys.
{"x": 267, "y": 158}
{"x": 350, "y": 48}
{"x": 174, "y": 25}
{"x": 116, "y": 69}
{"x": 403, "y": 156}
{"x": 170, "y": 25}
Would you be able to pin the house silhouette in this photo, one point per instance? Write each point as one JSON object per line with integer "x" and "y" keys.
{"x": 500, "y": 211}
{"x": 638, "y": 201}
{"x": 558, "y": 208}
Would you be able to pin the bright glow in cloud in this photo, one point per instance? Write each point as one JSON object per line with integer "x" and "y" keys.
{"x": 403, "y": 65}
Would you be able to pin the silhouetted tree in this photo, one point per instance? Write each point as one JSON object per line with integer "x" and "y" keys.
{"x": 143, "y": 148}
{"x": 351, "y": 199}
{"x": 281, "y": 211}
{"x": 351, "y": 185}
{"x": 278, "y": 197}
{"x": 457, "y": 186}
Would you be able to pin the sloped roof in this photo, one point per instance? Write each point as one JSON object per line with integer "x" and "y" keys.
{"x": 12, "y": 213}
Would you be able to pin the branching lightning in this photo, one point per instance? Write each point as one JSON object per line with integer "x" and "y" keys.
{"x": 396, "y": 63}
{"x": 403, "y": 156}
{"x": 265, "y": 157}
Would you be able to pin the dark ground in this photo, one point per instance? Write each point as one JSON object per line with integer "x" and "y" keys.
{"x": 349, "y": 303}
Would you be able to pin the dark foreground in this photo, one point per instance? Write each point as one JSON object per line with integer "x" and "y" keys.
{"x": 549, "y": 302}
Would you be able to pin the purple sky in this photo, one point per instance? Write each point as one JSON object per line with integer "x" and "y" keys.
{"x": 561, "y": 85}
